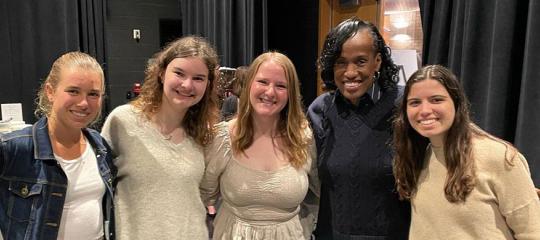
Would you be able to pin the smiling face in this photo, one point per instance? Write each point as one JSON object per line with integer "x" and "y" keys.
{"x": 76, "y": 100}
{"x": 356, "y": 66}
{"x": 268, "y": 92}
{"x": 184, "y": 83}
{"x": 430, "y": 110}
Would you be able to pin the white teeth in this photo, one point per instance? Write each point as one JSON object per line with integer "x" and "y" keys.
{"x": 427, "y": 121}
{"x": 184, "y": 94}
{"x": 267, "y": 101}
{"x": 79, "y": 114}
{"x": 352, "y": 84}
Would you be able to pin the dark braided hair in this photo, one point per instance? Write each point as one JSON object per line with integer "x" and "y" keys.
{"x": 333, "y": 43}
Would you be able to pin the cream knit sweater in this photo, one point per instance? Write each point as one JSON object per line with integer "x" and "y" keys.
{"x": 503, "y": 204}
{"x": 157, "y": 195}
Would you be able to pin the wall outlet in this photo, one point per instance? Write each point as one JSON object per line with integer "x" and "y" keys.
{"x": 137, "y": 34}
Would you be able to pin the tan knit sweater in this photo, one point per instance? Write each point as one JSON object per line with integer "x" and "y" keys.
{"x": 503, "y": 204}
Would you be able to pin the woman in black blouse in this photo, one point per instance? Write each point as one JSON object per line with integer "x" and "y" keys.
{"x": 352, "y": 129}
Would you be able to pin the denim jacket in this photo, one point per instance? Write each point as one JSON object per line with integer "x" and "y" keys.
{"x": 33, "y": 186}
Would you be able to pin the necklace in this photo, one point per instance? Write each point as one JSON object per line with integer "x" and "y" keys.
{"x": 173, "y": 135}
{"x": 166, "y": 136}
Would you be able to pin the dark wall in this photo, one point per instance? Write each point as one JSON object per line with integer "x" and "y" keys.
{"x": 292, "y": 30}
{"x": 33, "y": 34}
{"x": 126, "y": 57}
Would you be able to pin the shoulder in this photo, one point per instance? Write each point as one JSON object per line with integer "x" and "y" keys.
{"x": 19, "y": 140}
{"x": 95, "y": 135}
{"x": 220, "y": 146}
{"x": 124, "y": 113}
{"x": 222, "y": 128}
{"x": 222, "y": 136}
{"x": 485, "y": 146}
{"x": 16, "y": 146}
{"x": 316, "y": 110}
{"x": 126, "y": 109}
{"x": 495, "y": 155}
{"x": 22, "y": 133}
{"x": 97, "y": 139}
{"x": 319, "y": 103}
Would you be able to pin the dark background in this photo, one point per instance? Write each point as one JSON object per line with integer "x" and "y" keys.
{"x": 491, "y": 45}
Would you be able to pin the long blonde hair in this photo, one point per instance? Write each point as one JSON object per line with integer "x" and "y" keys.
{"x": 77, "y": 60}
{"x": 202, "y": 116}
{"x": 292, "y": 122}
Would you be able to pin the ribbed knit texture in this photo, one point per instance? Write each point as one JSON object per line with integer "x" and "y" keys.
{"x": 503, "y": 204}
{"x": 355, "y": 166}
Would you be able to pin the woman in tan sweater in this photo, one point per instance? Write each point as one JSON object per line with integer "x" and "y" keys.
{"x": 463, "y": 183}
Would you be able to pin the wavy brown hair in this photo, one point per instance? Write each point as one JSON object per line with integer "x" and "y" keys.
{"x": 200, "y": 117}
{"x": 79, "y": 60}
{"x": 410, "y": 146}
{"x": 292, "y": 123}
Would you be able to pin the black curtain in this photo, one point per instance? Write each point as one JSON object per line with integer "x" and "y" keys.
{"x": 237, "y": 28}
{"x": 494, "y": 48}
{"x": 92, "y": 40}
{"x": 91, "y": 26}
{"x": 298, "y": 41}
{"x": 34, "y": 33}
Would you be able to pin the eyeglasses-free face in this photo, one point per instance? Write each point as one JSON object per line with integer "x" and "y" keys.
{"x": 430, "y": 110}
{"x": 76, "y": 100}
{"x": 356, "y": 66}
{"x": 269, "y": 90}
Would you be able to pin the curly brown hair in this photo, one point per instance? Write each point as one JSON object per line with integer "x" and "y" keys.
{"x": 292, "y": 123}
{"x": 200, "y": 118}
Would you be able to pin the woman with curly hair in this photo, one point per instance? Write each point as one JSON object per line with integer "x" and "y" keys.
{"x": 352, "y": 126}
{"x": 463, "y": 183}
{"x": 159, "y": 139}
{"x": 260, "y": 160}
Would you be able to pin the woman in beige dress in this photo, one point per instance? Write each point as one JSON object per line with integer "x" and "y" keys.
{"x": 260, "y": 160}
{"x": 159, "y": 139}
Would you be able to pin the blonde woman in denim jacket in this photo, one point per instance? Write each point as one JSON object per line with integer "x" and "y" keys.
{"x": 56, "y": 177}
